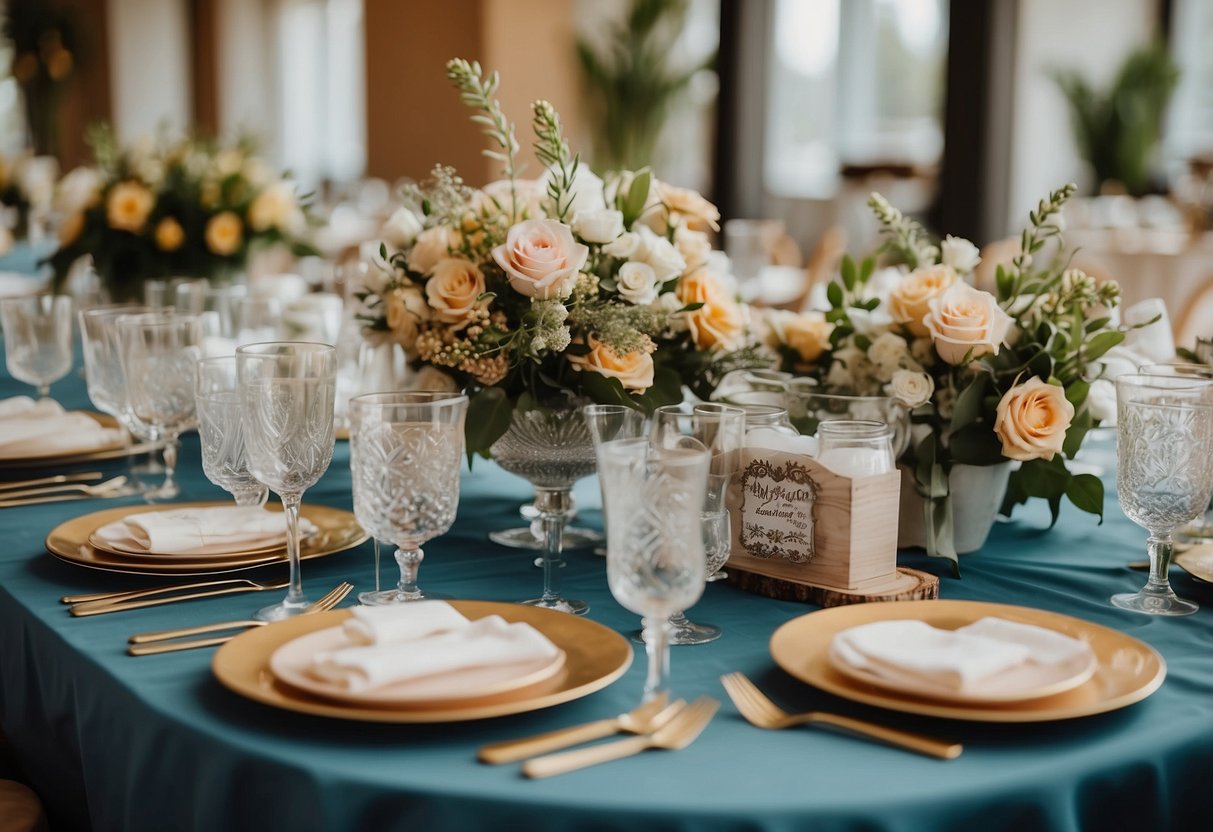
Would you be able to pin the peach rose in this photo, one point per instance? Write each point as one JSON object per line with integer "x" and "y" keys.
{"x": 169, "y": 234}
{"x": 432, "y": 245}
{"x": 541, "y": 259}
{"x": 719, "y": 323}
{"x": 224, "y": 233}
{"x": 909, "y": 302}
{"x": 808, "y": 335}
{"x": 1032, "y": 420}
{"x": 406, "y": 312}
{"x": 276, "y": 207}
{"x": 964, "y": 319}
{"x": 454, "y": 290}
{"x": 634, "y": 370}
{"x": 687, "y": 207}
{"x": 128, "y": 205}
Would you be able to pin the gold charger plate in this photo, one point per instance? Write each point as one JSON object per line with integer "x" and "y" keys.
{"x": 338, "y": 530}
{"x": 595, "y": 656}
{"x": 1128, "y": 671}
{"x": 109, "y": 450}
{"x": 1197, "y": 562}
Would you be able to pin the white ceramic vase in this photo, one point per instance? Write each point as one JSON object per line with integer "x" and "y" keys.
{"x": 976, "y": 494}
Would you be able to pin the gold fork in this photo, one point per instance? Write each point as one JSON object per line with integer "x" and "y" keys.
{"x": 49, "y": 490}
{"x": 677, "y": 734}
{"x": 138, "y": 600}
{"x": 146, "y": 644}
{"x": 760, "y": 711}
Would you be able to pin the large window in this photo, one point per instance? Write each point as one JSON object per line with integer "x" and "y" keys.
{"x": 1190, "y": 127}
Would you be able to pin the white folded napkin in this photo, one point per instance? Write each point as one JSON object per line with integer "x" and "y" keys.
{"x": 1155, "y": 342}
{"x": 201, "y": 531}
{"x": 24, "y": 406}
{"x": 487, "y": 642}
{"x": 42, "y": 427}
{"x": 954, "y": 660}
{"x": 401, "y": 622}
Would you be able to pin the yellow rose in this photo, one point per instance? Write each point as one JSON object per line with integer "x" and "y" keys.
{"x": 634, "y": 369}
{"x": 275, "y": 207}
{"x": 719, "y": 323}
{"x": 224, "y": 233}
{"x": 808, "y": 335}
{"x": 1032, "y": 420}
{"x": 128, "y": 205}
{"x": 71, "y": 228}
{"x": 406, "y": 312}
{"x": 966, "y": 321}
{"x": 910, "y": 299}
{"x": 454, "y": 289}
{"x": 169, "y": 234}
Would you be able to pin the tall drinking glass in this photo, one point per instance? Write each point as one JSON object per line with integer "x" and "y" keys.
{"x": 405, "y": 451}
{"x": 288, "y": 389}
{"x": 221, "y": 430}
{"x": 158, "y": 353}
{"x": 1164, "y": 472}
{"x": 37, "y": 339}
{"x": 655, "y": 557}
{"x": 608, "y": 422}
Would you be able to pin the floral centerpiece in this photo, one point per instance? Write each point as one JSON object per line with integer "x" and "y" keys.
{"x": 533, "y": 293}
{"x": 988, "y": 377}
{"x": 189, "y": 207}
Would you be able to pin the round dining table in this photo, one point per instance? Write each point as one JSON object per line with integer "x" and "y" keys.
{"x": 114, "y": 742}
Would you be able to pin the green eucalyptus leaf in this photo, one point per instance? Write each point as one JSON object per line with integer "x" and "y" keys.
{"x": 1085, "y": 491}
{"x": 488, "y": 418}
{"x": 1101, "y": 343}
{"x": 1077, "y": 392}
{"x": 866, "y": 268}
{"x": 834, "y": 295}
{"x": 969, "y": 403}
{"x": 849, "y": 275}
{"x": 1076, "y": 433}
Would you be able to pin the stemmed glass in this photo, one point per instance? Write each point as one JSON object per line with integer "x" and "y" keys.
{"x": 37, "y": 339}
{"x": 405, "y": 450}
{"x": 1202, "y": 527}
{"x": 287, "y": 389}
{"x": 608, "y": 422}
{"x": 721, "y": 429}
{"x": 655, "y": 556}
{"x": 220, "y": 427}
{"x": 158, "y": 354}
{"x": 1164, "y": 472}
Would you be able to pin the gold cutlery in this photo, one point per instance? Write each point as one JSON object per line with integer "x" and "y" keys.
{"x": 88, "y": 490}
{"x": 760, "y": 711}
{"x": 131, "y": 594}
{"x": 675, "y": 735}
{"x": 142, "y": 643}
{"x": 645, "y": 719}
{"x": 57, "y": 478}
{"x": 61, "y": 498}
{"x": 136, "y": 601}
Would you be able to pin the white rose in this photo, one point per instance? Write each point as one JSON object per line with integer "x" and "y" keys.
{"x": 1101, "y": 401}
{"x": 637, "y": 283}
{"x": 598, "y": 226}
{"x": 432, "y": 245}
{"x": 77, "y": 191}
{"x": 401, "y": 228}
{"x": 871, "y": 324}
{"x": 586, "y": 190}
{"x": 659, "y": 253}
{"x": 624, "y": 246}
{"x": 914, "y": 389}
{"x": 883, "y": 281}
{"x": 694, "y": 246}
{"x": 960, "y": 254}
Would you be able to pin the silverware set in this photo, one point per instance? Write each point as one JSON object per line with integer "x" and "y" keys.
{"x": 59, "y": 488}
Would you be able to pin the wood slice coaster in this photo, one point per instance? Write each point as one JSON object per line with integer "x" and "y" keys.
{"x": 907, "y": 585}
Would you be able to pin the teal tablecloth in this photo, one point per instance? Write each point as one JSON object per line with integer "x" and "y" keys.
{"x": 156, "y": 743}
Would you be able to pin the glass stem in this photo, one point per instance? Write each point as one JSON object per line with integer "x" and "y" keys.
{"x": 376, "y": 542}
{"x": 44, "y": 391}
{"x": 1160, "y": 547}
{"x": 251, "y": 496}
{"x": 290, "y": 505}
{"x": 409, "y": 561}
{"x": 657, "y": 646}
{"x": 170, "y": 462}
{"x": 552, "y": 506}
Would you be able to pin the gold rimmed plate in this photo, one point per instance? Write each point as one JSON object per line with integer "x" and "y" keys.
{"x": 337, "y": 530}
{"x": 595, "y": 656}
{"x": 1127, "y": 670}
{"x": 69, "y": 456}
{"x": 1197, "y": 562}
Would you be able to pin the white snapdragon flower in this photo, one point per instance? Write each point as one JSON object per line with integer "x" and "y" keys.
{"x": 601, "y": 225}
{"x": 637, "y": 283}
{"x": 960, "y": 254}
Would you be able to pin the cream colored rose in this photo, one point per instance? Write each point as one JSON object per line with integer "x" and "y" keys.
{"x": 624, "y": 246}
{"x": 406, "y": 312}
{"x": 401, "y": 228}
{"x": 719, "y": 323}
{"x": 169, "y": 234}
{"x": 694, "y": 246}
{"x": 128, "y": 206}
{"x": 454, "y": 290}
{"x": 78, "y": 190}
{"x": 276, "y": 207}
{"x": 637, "y": 283}
{"x": 914, "y": 389}
{"x": 1032, "y": 420}
{"x": 909, "y": 302}
{"x": 598, "y": 226}
{"x": 541, "y": 259}
{"x": 660, "y": 254}
{"x": 634, "y": 369}
{"x": 960, "y": 254}
{"x": 432, "y": 245}
{"x": 224, "y": 233}
{"x": 71, "y": 228}
{"x": 688, "y": 208}
{"x": 524, "y": 199}
{"x": 965, "y": 319}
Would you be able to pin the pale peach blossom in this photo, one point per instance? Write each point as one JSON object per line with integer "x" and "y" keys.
{"x": 1032, "y": 420}
{"x": 719, "y": 323}
{"x": 541, "y": 259}
{"x": 224, "y": 233}
{"x": 966, "y": 321}
{"x": 128, "y": 206}
{"x": 909, "y": 301}
{"x": 634, "y": 369}
{"x": 454, "y": 290}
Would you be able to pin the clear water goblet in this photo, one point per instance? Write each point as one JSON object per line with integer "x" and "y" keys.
{"x": 37, "y": 339}
{"x": 655, "y": 557}
{"x": 221, "y": 431}
{"x": 721, "y": 429}
{"x": 608, "y": 422}
{"x": 158, "y": 352}
{"x": 1202, "y": 527}
{"x": 405, "y": 453}
{"x": 288, "y": 389}
{"x": 1164, "y": 472}
{"x": 258, "y": 319}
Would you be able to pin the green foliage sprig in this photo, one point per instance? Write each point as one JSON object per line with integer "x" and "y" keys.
{"x": 477, "y": 92}
{"x": 553, "y": 151}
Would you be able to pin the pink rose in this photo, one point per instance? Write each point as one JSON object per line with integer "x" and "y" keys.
{"x": 541, "y": 259}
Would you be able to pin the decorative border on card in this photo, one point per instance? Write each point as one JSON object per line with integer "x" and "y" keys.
{"x": 781, "y": 516}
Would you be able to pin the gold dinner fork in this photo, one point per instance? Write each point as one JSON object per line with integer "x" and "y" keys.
{"x": 677, "y": 734}
{"x": 760, "y": 711}
{"x": 147, "y": 644}
{"x": 56, "y": 493}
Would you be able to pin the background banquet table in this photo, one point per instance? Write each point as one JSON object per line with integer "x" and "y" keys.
{"x": 115, "y": 742}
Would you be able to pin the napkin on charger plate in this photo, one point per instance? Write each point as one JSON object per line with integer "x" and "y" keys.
{"x": 404, "y": 622}
{"x": 954, "y": 660}
{"x": 486, "y": 642}
{"x": 33, "y": 427}
{"x": 211, "y": 530}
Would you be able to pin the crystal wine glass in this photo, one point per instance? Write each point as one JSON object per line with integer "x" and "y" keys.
{"x": 221, "y": 431}
{"x": 37, "y": 339}
{"x": 721, "y": 429}
{"x": 613, "y": 421}
{"x": 159, "y": 351}
{"x": 1164, "y": 472}
{"x": 287, "y": 389}
{"x": 1202, "y": 527}
{"x": 655, "y": 556}
{"x": 405, "y": 451}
